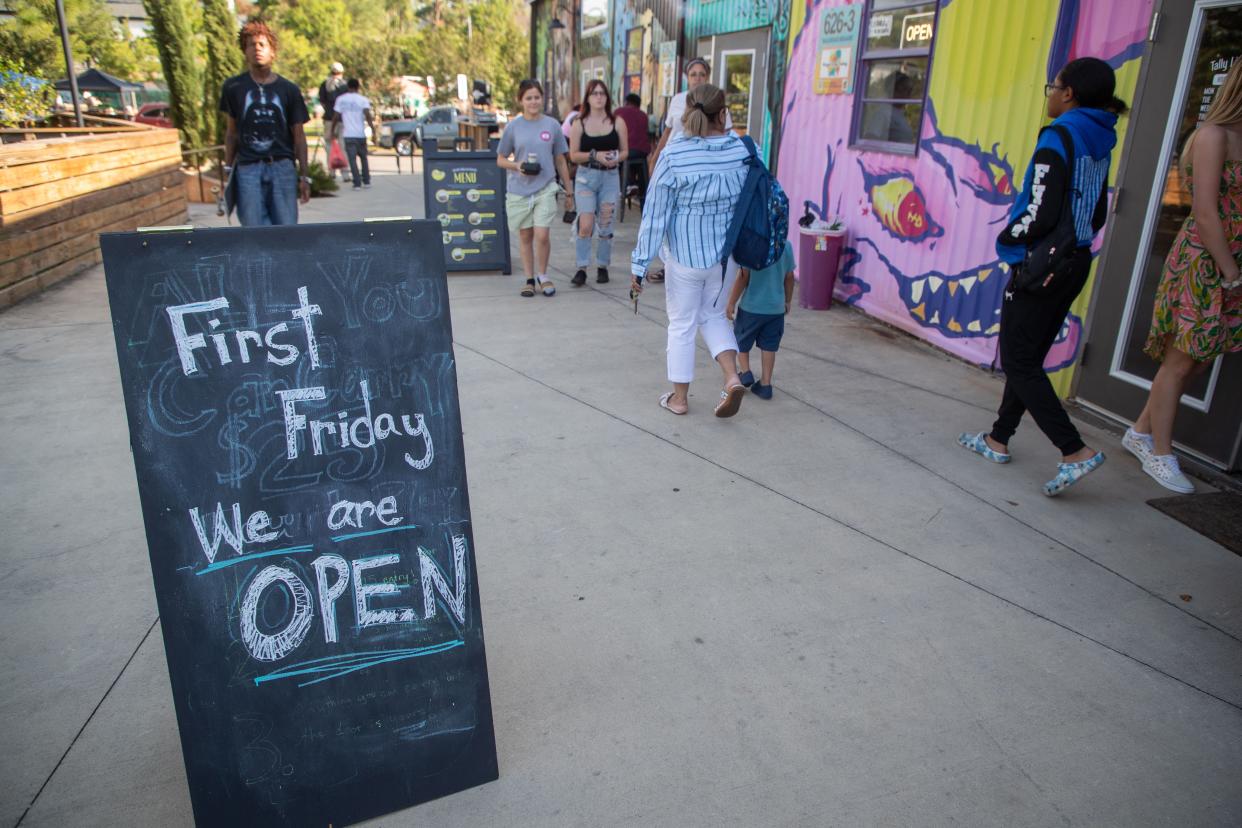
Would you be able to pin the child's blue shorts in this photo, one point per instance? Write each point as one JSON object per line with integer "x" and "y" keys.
{"x": 762, "y": 329}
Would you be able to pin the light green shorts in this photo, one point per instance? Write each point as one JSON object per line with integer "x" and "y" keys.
{"x": 538, "y": 210}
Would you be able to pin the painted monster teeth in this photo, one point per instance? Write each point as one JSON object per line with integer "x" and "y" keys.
{"x": 933, "y": 309}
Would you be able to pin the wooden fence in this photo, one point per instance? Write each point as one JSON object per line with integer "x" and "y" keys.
{"x": 59, "y": 189}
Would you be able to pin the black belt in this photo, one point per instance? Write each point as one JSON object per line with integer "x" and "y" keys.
{"x": 595, "y": 165}
{"x": 268, "y": 160}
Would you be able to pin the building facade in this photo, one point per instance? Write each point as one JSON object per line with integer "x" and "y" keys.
{"x": 914, "y": 120}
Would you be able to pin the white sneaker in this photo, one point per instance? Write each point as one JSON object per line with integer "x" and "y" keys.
{"x": 1140, "y": 445}
{"x": 1165, "y": 470}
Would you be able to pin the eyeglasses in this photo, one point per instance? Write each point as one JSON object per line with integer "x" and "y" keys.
{"x": 1048, "y": 87}
{"x": 599, "y": 92}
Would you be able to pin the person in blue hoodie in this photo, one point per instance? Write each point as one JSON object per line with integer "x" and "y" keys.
{"x": 1082, "y": 101}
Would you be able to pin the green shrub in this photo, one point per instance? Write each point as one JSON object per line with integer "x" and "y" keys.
{"x": 322, "y": 181}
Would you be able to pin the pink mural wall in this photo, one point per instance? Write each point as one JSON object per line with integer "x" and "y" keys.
{"x": 920, "y": 253}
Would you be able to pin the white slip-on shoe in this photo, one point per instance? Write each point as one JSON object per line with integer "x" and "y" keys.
{"x": 1139, "y": 445}
{"x": 1165, "y": 470}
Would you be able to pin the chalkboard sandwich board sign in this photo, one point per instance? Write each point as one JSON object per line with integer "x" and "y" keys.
{"x": 465, "y": 193}
{"x": 293, "y": 413}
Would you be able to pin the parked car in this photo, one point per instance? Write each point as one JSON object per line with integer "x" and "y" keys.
{"x": 156, "y": 114}
{"x": 437, "y": 124}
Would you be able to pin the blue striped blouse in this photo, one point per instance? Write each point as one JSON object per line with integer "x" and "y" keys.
{"x": 694, "y": 189}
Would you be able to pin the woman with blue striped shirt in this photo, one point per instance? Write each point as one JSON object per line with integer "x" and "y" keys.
{"x": 694, "y": 190}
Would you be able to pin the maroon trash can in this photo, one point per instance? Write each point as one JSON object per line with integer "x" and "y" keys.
{"x": 819, "y": 255}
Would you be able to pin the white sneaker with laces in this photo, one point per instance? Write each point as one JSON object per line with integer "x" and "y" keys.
{"x": 1140, "y": 445}
{"x": 1165, "y": 470}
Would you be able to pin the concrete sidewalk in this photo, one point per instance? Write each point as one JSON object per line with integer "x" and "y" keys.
{"x": 821, "y": 612}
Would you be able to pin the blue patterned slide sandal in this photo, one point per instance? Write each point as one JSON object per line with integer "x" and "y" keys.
{"x": 1070, "y": 473}
{"x": 979, "y": 445}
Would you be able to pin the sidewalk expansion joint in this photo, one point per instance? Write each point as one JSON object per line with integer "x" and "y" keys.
{"x": 89, "y": 718}
{"x": 1051, "y": 538}
{"x": 862, "y": 532}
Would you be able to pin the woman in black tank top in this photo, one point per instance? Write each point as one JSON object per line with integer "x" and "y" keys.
{"x": 597, "y": 142}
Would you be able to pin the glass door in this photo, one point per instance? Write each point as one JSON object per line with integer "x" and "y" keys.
{"x": 739, "y": 67}
{"x": 1219, "y": 47}
{"x": 737, "y": 81}
{"x": 1197, "y": 42}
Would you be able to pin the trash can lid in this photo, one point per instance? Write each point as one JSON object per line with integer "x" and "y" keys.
{"x": 822, "y": 231}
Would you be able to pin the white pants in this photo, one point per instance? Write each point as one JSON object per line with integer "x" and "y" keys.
{"x": 695, "y": 300}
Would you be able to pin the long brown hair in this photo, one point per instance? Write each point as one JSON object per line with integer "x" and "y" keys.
{"x": 703, "y": 104}
{"x": 1225, "y": 109}
{"x": 586, "y": 99}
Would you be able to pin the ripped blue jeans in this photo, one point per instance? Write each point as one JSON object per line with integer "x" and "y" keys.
{"x": 596, "y": 193}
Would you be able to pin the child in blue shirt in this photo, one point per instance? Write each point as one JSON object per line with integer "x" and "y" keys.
{"x": 765, "y": 296}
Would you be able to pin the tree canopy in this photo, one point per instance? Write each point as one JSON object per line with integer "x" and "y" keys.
{"x": 376, "y": 40}
{"x": 32, "y": 38}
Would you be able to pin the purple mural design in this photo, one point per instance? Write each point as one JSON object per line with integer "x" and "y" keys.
{"x": 920, "y": 252}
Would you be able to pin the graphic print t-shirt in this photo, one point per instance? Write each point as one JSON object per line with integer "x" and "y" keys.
{"x": 265, "y": 114}
{"x": 541, "y": 138}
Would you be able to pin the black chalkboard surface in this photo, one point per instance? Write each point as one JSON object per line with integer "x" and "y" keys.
{"x": 465, "y": 193}
{"x": 293, "y": 414}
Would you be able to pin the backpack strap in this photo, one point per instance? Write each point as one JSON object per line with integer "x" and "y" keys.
{"x": 748, "y": 190}
{"x": 750, "y": 146}
{"x": 1067, "y": 142}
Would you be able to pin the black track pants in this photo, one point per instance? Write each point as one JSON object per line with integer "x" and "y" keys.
{"x": 1029, "y": 325}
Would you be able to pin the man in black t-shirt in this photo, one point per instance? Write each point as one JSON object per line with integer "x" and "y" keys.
{"x": 264, "y": 137}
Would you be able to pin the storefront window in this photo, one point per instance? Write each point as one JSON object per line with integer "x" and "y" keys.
{"x": 632, "y": 82}
{"x": 738, "y": 71}
{"x": 896, "y": 57}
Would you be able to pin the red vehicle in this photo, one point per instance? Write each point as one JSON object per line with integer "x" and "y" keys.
{"x": 156, "y": 114}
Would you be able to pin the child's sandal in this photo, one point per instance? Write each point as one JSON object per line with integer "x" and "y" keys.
{"x": 528, "y": 289}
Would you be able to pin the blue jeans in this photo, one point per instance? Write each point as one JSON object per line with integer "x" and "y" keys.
{"x": 596, "y": 192}
{"x": 355, "y": 147}
{"x": 267, "y": 193}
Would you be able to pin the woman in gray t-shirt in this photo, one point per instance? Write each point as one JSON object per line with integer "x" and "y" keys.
{"x": 533, "y": 150}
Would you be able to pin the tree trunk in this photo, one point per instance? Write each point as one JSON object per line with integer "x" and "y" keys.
{"x": 174, "y": 39}
{"x": 224, "y": 59}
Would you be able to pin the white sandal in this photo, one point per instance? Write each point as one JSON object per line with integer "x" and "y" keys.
{"x": 664, "y": 398}
{"x": 730, "y": 400}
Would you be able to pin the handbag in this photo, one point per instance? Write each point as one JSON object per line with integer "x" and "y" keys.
{"x": 1049, "y": 255}
{"x": 336, "y": 158}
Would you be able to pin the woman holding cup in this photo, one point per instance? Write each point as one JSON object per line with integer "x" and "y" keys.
{"x": 533, "y": 149}
{"x": 597, "y": 143}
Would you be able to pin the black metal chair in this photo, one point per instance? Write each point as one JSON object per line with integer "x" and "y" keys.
{"x": 634, "y": 169}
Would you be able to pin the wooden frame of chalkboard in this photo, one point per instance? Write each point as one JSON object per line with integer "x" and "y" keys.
{"x": 465, "y": 193}
{"x": 292, "y": 402}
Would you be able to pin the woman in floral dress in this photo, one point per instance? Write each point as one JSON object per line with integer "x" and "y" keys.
{"x": 1198, "y": 312}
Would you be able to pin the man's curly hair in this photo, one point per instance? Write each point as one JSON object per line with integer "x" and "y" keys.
{"x": 253, "y": 29}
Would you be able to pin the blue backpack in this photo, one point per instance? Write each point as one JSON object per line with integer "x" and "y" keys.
{"x": 760, "y": 221}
